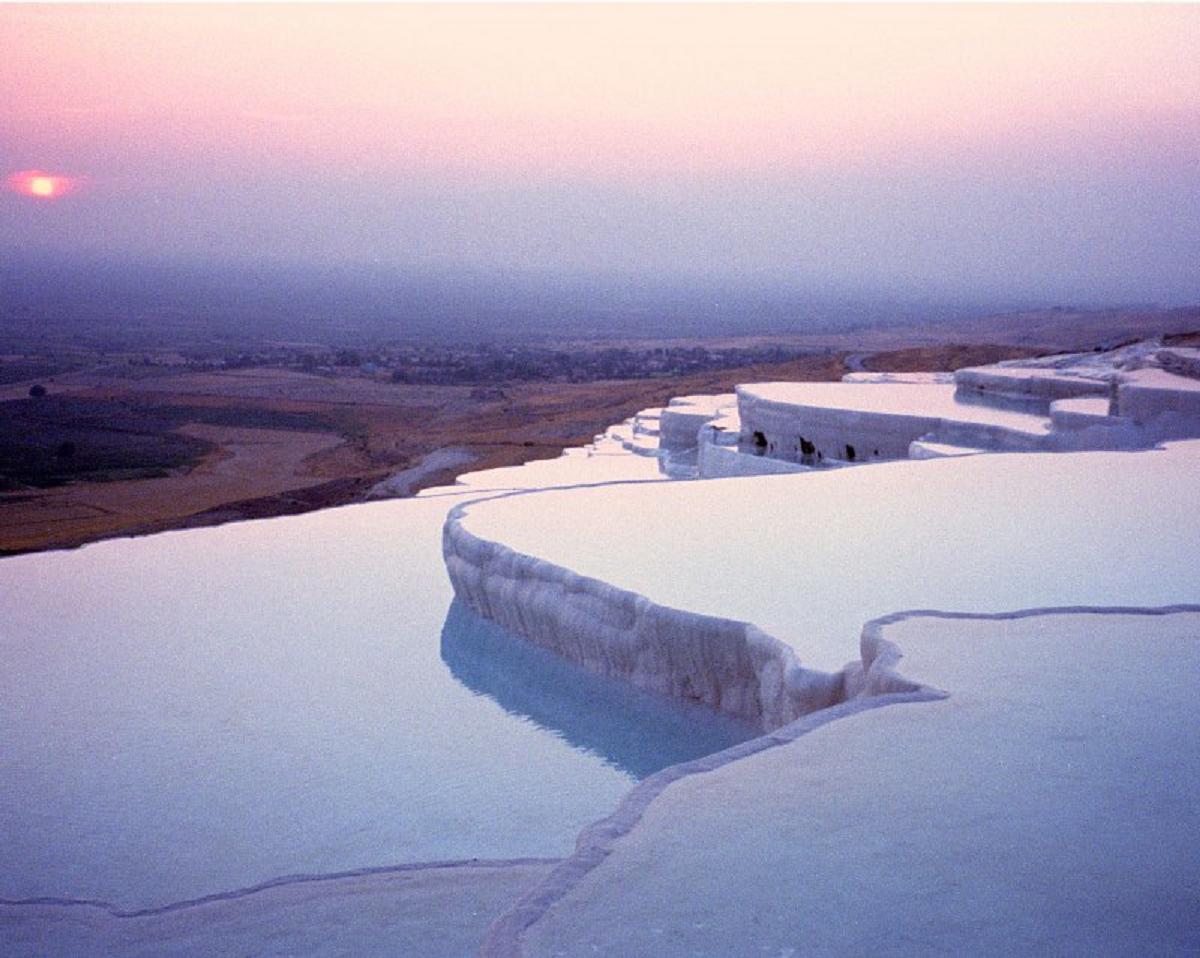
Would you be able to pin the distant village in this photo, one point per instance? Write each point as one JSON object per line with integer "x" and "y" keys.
{"x": 489, "y": 363}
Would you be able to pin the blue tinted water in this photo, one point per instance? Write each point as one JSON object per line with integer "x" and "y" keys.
{"x": 200, "y": 711}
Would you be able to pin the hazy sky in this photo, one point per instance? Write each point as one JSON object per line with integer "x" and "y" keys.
{"x": 1052, "y": 151}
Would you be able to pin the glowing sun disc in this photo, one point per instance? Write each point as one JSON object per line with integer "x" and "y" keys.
{"x": 40, "y": 185}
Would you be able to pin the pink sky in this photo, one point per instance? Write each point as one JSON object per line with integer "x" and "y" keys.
{"x": 416, "y": 102}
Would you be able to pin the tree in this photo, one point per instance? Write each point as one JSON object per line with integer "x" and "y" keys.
{"x": 37, "y": 390}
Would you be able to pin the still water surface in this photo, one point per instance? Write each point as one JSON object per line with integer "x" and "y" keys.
{"x": 200, "y": 711}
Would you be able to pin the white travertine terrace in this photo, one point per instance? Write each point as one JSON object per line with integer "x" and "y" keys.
{"x": 434, "y": 910}
{"x": 632, "y": 586}
{"x": 719, "y": 454}
{"x": 815, "y": 422}
{"x": 925, "y": 449}
{"x": 747, "y": 593}
{"x": 1016, "y": 775}
{"x": 1126, "y": 399}
{"x": 1084, "y": 411}
{"x": 683, "y": 416}
{"x": 1147, "y": 394}
{"x": 1034, "y": 382}
{"x": 1035, "y": 796}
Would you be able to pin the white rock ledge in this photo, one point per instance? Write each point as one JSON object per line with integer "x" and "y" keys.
{"x": 658, "y": 583}
{"x": 729, "y": 665}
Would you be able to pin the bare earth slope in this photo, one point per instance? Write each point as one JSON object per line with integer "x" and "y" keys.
{"x": 359, "y": 432}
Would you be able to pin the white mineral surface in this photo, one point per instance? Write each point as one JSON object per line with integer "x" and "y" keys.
{"x": 807, "y": 558}
{"x": 1045, "y": 806}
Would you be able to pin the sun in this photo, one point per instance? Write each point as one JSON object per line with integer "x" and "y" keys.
{"x": 41, "y": 186}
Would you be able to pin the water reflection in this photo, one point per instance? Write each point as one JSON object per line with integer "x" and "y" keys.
{"x": 635, "y": 731}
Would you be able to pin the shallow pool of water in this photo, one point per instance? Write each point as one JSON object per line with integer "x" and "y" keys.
{"x": 200, "y": 711}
